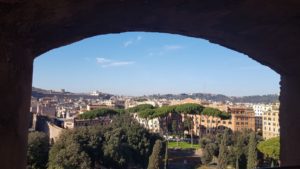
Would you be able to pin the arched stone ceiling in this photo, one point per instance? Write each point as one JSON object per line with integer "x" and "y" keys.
{"x": 267, "y": 31}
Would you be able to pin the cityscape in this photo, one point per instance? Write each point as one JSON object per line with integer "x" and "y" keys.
{"x": 185, "y": 121}
{"x": 115, "y": 107}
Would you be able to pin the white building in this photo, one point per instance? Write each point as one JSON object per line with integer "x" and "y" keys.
{"x": 131, "y": 103}
{"x": 259, "y": 109}
{"x": 151, "y": 124}
{"x": 95, "y": 93}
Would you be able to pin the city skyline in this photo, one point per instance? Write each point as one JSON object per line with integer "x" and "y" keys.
{"x": 139, "y": 63}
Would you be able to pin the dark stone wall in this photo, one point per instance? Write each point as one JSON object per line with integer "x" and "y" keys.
{"x": 267, "y": 31}
{"x": 289, "y": 120}
{"x": 15, "y": 94}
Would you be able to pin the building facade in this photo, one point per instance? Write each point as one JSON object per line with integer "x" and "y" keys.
{"x": 153, "y": 125}
{"x": 271, "y": 126}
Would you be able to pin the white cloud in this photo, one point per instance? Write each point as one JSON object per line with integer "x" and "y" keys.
{"x": 172, "y": 47}
{"x": 102, "y": 60}
{"x": 131, "y": 42}
{"x": 127, "y": 43}
{"x": 121, "y": 63}
{"x": 112, "y": 63}
{"x": 164, "y": 49}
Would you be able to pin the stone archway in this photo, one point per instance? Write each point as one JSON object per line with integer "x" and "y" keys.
{"x": 267, "y": 31}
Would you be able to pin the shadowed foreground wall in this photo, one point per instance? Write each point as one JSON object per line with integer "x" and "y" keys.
{"x": 267, "y": 31}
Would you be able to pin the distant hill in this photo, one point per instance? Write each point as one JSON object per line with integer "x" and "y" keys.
{"x": 38, "y": 93}
{"x": 271, "y": 98}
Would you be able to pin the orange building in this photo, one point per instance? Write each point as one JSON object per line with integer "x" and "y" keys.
{"x": 241, "y": 118}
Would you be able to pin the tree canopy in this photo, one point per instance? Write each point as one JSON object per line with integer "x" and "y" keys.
{"x": 98, "y": 113}
{"x": 37, "y": 151}
{"x": 208, "y": 111}
{"x": 164, "y": 111}
{"x": 147, "y": 113}
{"x": 270, "y": 148}
{"x": 155, "y": 160}
{"x": 140, "y": 107}
{"x": 120, "y": 144}
{"x": 189, "y": 108}
{"x": 77, "y": 148}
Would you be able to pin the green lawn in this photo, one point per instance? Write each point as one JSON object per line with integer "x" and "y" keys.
{"x": 182, "y": 145}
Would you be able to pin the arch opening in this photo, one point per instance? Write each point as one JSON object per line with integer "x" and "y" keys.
{"x": 266, "y": 31}
{"x": 167, "y": 51}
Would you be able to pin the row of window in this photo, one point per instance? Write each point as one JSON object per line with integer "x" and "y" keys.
{"x": 242, "y": 123}
{"x": 274, "y": 124}
{"x": 265, "y": 118}
{"x": 270, "y": 129}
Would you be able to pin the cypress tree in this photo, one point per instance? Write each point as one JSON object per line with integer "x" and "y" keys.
{"x": 155, "y": 158}
{"x": 252, "y": 155}
{"x": 241, "y": 162}
{"x": 223, "y": 152}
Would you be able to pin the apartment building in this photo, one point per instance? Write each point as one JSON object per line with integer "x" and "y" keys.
{"x": 270, "y": 124}
{"x": 259, "y": 109}
{"x": 241, "y": 118}
{"x": 207, "y": 124}
{"x": 153, "y": 125}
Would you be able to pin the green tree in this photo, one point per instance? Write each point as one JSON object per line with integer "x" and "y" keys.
{"x": 122, "y": 144}
{"x": 127, "y": 144}
{"x": 146, "y": 114}
{"x": 189, "y": 108}
{"x": 223, "y": 152}
{"x": 77, "y": 148}
{"x": 155, "y": 160}
{"x": 98, "y": 113}
{"x": 252, "y": 154}
{"x": 212, "y": 112}
{"x": 68, "y": 157}
{"x": 270, "y": 148}
{"x": 139, "y": 108}
{"x": 239, "y": 152}
{"x": 37, "y": 151}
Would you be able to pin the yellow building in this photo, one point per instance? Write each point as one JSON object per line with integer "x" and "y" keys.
{"x": 270, "y": 126}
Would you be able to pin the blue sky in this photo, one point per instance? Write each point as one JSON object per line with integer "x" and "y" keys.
{"x": 139, "y": 63}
